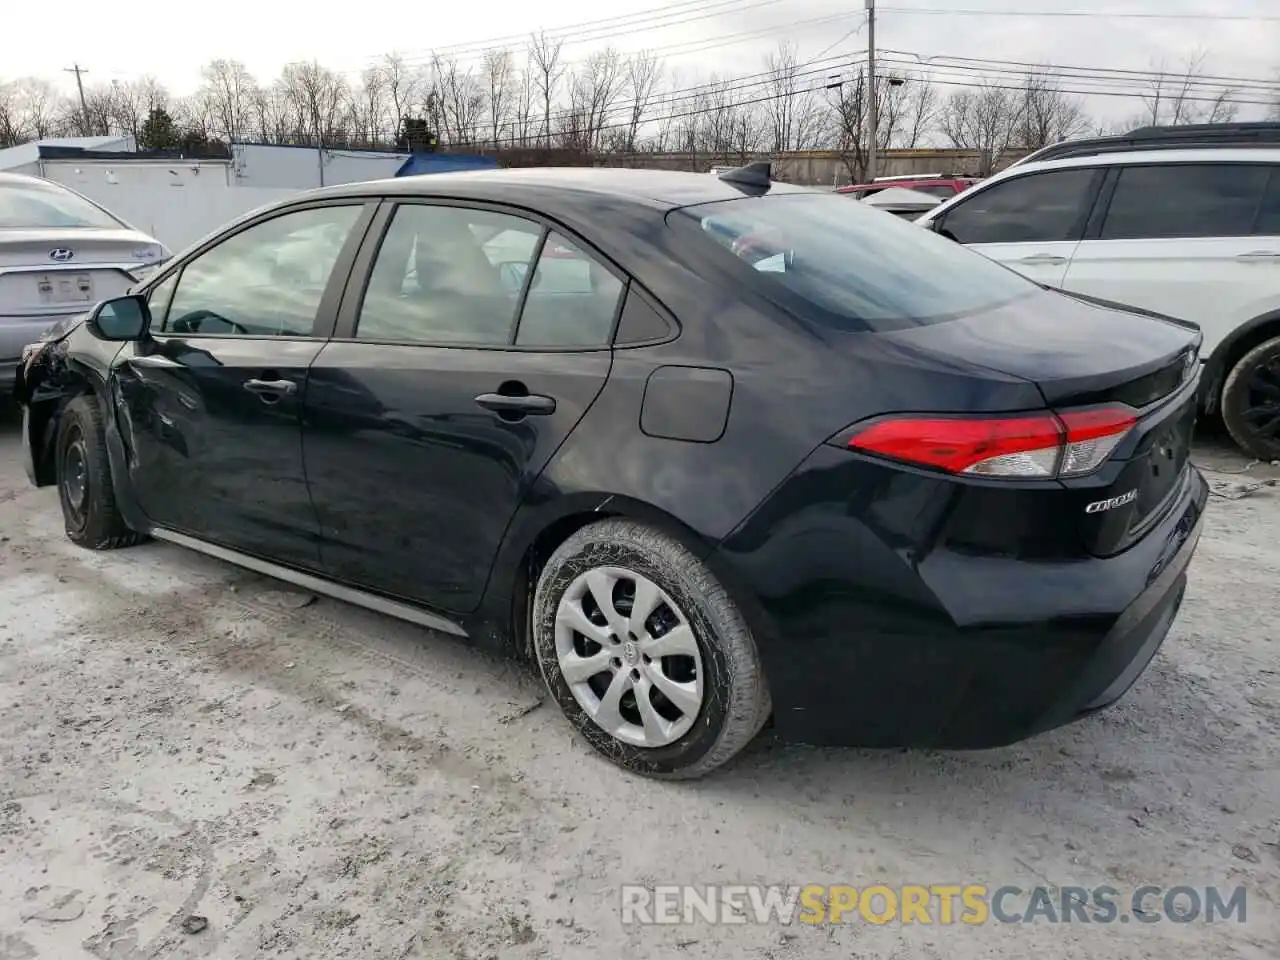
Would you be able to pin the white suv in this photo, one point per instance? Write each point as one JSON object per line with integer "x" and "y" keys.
{"x": 1190, "y": 233}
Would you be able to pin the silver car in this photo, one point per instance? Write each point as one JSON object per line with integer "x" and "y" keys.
{"x": 60, "y": 253}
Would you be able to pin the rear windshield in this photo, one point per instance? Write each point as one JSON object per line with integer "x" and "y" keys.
{"x": 849, "y": 266}
{"x": 26, "y": 204}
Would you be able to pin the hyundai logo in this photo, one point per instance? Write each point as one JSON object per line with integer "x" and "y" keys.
{"x": 61, "y": 255}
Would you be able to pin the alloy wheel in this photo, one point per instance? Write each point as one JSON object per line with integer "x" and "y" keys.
{"x": 629, "y": 656}
{"x": 1262, "y": 400}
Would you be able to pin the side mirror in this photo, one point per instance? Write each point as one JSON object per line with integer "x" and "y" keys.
{"x": 120, "y": 319}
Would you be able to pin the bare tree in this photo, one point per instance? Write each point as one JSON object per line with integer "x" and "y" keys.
{"x": 526, "y": 95}
{"x": 228, "y": 89}
{"x": 461, "y": 101}
{"x": 544, "y": 55}
{"x": 134, "y": 102}
{"x": 318, "y": 97}
{"x": 404, "y": 87}
{"x": 39, "y": 105}
{"x": 985, "y": 119}
{"x": 12, "y": 120}
{"x": 919, "y": 112}
{"x": 644, "y": 73}
{"x": 594, "y": 90}
{"x": 274, "y": 120}
{"x": 499, "y": 75}
{"x": 1185, "y": 97}
{"x": 1048, "y": 114}
{"x": 794, "y": 110}
{"x": 368, "y": 108}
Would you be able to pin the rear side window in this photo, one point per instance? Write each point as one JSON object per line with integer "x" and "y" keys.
{"x": 1269, "y": 216}
{"x": 37, "y": 204}
{"x": 572, "y": 299}
{"x": 1036, "y": 208}
{"x": 1185, "y": 200}
{"x": 848, "y": 265}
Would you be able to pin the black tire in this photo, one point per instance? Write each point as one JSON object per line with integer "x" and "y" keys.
{"x": 89, "y": 512}
{"x": 1255, "y": 374}
{"x": 735, "y": 699}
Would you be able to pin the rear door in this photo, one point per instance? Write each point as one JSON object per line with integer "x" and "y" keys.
{"x": 1031, "y": 223}
{"x": 431, "y": 414}
{"x": 1191, "y": 240}
{"x": 212, "y": 399}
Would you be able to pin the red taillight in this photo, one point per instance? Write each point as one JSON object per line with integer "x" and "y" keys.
{"x": 1028, "y": 446}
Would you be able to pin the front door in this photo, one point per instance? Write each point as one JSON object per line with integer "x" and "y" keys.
{"x": 1031, "y": 223}
{"x": 212, "y": 399}
{"x": 432, "y": 414}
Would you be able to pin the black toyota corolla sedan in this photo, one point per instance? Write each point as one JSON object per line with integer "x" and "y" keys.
{"x": 708, "y": 451}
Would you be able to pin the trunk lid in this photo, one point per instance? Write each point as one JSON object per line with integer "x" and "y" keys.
{"x": 1076, "y": 352}
{"x": 54, "y": 271}
{"x": 1081, "y": 353}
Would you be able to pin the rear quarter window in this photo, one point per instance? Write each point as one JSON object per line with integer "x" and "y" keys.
{"x": 848, "y": 266}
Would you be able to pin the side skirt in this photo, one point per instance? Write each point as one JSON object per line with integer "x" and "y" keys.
{"x": 370, "y": 601}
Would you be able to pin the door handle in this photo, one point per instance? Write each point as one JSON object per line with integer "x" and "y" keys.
{"x": 1048, "y": 259}
{"x": 530, "y": 404}
{"x": 271, "y": 387}
{"x": 1254, "y": 255}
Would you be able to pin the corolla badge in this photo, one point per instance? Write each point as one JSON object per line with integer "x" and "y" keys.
{"x": 1099, "y": 505}
{"x": 61, "y": 254}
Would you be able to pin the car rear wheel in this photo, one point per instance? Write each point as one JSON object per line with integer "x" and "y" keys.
{"x": 646, "y": 653}
{"x": 88, "y": 500}
{"x": 1251, "y": 401}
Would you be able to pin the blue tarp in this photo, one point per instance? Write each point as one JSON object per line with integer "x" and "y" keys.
{"x": 420, "y": 163}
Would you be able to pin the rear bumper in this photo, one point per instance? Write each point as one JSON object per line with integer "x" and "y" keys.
{"x": 959, "y": 651}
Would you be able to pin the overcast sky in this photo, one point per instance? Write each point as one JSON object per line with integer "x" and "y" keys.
{"x": 731, "y": 37}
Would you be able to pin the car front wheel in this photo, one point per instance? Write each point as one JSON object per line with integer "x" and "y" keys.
{"x": 646, "y": 653}
{"x": 1251, "y": 401}
{"x": 88, "y": 500}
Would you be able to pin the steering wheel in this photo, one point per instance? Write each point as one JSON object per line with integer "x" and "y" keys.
{"x": 191, "y": 322}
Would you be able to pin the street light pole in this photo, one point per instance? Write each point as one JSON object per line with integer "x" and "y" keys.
{"x": 872, "y": 110}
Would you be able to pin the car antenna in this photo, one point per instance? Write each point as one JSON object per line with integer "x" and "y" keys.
{"x": 757, "y": 173}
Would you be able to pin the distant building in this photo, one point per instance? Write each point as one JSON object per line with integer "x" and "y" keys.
{"x": 25, "y": 157}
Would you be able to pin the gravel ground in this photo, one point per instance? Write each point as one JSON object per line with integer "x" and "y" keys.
{"x": 180, "y": 738}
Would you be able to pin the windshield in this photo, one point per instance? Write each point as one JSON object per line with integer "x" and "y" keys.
{"x": 32, "y": 204}
{"x": 849, "y": 266}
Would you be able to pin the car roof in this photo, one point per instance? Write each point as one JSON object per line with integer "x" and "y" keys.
{"x": 561, "y": 186}
{"x": 1203, "y": 155}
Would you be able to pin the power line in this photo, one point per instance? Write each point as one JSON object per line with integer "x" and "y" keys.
{"x": 1117, "y": 71}
{"x": 1107, "y": 14}
{"x": 1165, "y": 82}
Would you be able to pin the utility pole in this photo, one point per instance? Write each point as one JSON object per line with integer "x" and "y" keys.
{"x": 873, "y": 119}
{"x": 80, "y": 86}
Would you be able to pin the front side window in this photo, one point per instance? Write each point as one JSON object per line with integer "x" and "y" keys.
{"x": 267, "y": 280}
{"x": 1185, "y": 200}
{"x": 40, "y": 205}
{"x": 849, "y": 266}
{"x": 1036, "y": 208}
{"x": 571, "y": 301}
{"x": 448, "y": 275}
